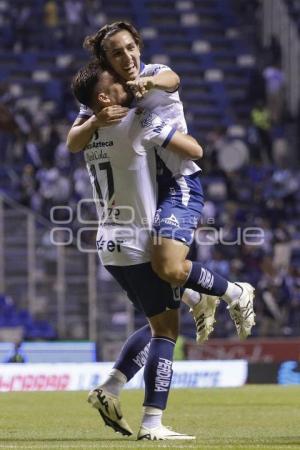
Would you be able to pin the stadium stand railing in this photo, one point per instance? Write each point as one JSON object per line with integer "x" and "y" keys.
{"x": 54, "y": 287}
{"x": 280, "y": 20}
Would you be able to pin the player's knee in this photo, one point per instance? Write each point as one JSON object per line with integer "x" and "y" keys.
{"x": 166, "y": 330}
{"x": 166, "y": 324}
{"x": 167, "y": 270}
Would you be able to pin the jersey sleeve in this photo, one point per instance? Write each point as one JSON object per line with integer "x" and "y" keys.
{"x": 155, "y": 130}
{"x": 84, "y": 112}
{"x": 153, "y": 69}
{"x": 150, "y": 70}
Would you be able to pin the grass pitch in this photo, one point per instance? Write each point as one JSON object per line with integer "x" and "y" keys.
{"x": 250, "y": 417}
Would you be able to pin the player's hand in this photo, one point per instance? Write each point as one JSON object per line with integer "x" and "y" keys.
{"x": 141, "y": 86}
{"x": 110, "y": 115}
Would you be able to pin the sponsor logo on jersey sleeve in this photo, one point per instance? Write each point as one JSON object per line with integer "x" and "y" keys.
{"x": 150, "y": 120}
{"x": 153, "y": 69}
{"x": 158, "y": 68}
{"x": 147, "y": 119}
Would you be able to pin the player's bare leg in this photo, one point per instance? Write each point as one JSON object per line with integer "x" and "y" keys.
{"x": 170, "y": 263}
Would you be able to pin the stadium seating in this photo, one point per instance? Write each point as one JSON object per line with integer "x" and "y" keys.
{"x": 11, "y": 317}
{"x": 203, "y": 41}
{"x": 199, "y": 39}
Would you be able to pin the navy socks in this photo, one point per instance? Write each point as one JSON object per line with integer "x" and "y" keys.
{"x": 158, "y": 372}
{"x": 134, "y": 353}
{"x": 156, "y": 354}
{"x": 205, "y": 281}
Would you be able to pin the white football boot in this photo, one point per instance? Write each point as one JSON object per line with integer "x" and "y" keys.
{"x": 109, "y": 409}
{"x": 203, "y": 314}
{"x": 161, "y": 433}
{"x": 242, "y": 312}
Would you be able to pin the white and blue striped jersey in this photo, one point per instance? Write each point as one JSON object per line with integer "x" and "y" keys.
{"x": 122, "y": 167}
{"x": 168, "y": 106}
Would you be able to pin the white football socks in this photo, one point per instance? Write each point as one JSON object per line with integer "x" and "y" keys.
{"x": 115, "y": 382}
{"x": 191, "y": 298}
{"x": 233, "y": 292}
{"x": 151, "y": 417}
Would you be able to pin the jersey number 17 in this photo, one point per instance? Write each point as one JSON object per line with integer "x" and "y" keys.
{"x": 103, "y": 175}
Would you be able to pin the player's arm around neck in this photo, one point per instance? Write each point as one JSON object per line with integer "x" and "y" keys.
{"x": 82, "y": 130}
{"x": 185, "y": 146}
{"x": 81, "y": 133}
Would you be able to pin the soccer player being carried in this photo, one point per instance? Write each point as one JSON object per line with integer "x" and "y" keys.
{"x": 180, "y": 202}
{"x": 122, "y": 164}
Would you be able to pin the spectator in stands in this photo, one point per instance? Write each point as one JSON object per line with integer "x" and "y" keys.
{"x": 22, "y": 16}
{"x": 17, "y": 356}
{"x": 261, "y": 120}
{"x": 62, "y": 156}
{"x": 28, "y": 188}
{"x": 275, "y": 83}
{"x": 7, "y": 121}
{"x": 74, "y": 16}
{"x": 54, "y": 188}
{"x": 95, "y": 17}
{"x": 51, "y": 16}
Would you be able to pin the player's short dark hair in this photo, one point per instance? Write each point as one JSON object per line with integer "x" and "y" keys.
{"x": 96, "y": 43}
{"x": 84, "y": 82}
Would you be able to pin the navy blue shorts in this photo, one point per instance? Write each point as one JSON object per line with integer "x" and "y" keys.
{"x": 179, "y": 210}
{"x": 148, "y": 293}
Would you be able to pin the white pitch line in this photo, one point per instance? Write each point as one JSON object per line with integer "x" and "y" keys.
{"x": 85, "y": 446}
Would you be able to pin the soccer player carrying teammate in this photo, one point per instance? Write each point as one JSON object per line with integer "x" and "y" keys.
{"x": 122, "y": 166}
{"x": 117, "y": 47}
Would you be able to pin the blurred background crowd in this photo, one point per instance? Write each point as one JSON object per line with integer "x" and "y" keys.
{"x": 233, "y": 86}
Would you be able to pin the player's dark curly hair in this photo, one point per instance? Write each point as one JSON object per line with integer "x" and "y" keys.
{"x": 96, "y": 43}
{"x": 84, "y": 82}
